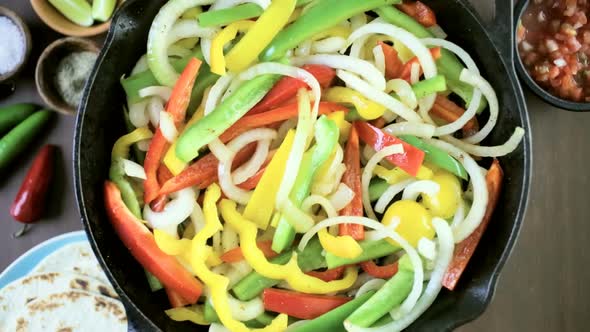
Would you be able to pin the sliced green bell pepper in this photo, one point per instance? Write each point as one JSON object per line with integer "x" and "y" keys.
{"x": 371, "y": 250}
{"x": 432, "y": 85}
{"x": 226, "y": 16}
{"x": 437, "y": 156}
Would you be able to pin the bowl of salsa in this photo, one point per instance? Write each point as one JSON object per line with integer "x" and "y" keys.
{"x": 553, "y": 48}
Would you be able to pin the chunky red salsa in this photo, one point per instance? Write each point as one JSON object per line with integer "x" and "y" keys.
{"x": 554, "y": 45}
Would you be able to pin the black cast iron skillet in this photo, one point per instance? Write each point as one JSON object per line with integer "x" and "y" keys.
{"x": 100, "y": 123}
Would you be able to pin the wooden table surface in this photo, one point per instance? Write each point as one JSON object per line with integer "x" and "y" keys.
{"x": 543, "y": 286}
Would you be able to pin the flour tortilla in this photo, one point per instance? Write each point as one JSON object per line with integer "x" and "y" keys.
{"x": 18, "y": 293}
{"x": 77, "y": 258}
{"x": 71, "y": 311}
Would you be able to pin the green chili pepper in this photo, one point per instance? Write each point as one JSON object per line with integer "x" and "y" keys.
{"x": 322, "y": 16}
{"x": 391, "y": 294}
{"x": 223, "y": 116}
{"x": 253, "y": 284}
{"x": 229, "y": 15}
{"x": 19, "y": 138}
{"x": 102, "y": 10}
{"x": 429, "y": 86}
{"x": 447, "y": 65}
{"x": 333, "y": 320}
{"x": 326, "y": 133}
{"x": 77, "y": 11}
{"x": 376, "y": 188}
{"x": 12, "y": 115}
{"x": 371, "y": 250}
{"x": 437, "y": 156}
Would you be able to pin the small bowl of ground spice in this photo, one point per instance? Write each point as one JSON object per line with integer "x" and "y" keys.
{"x": 62, "y": 71}
{"x": 553, "y": 51}
{"x": 15, "y": 44}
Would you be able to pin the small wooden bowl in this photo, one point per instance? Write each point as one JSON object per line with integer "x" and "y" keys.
{"x": 56, "y": 21}
{"x": 47, "y": 66}
{"x": 27, "y": 36}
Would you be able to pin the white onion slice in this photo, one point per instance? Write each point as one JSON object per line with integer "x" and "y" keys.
{"x": 312, "y": 200}
{"x": 489, "y": 151}
{"x": 249, "y": 168}
{"x": 245, "y": 310}
{"x": 410, "y": 128}
{"x": 427, "y": 248}
{"x": 373, "y": 284}
{"x": 178, "y": 51}
{"x": 424, "y": 106}
{"x": 140, "y": 66}
{"x": 368, "y": 174}
{"x": 304, "y": 48}
{"x": 197, "y": 217}
{"x": 342, "y": 197}
{"x": 378, "y": 96}
{"x": 137, "y": 114}
{"x": 133, "y": 169}
{"x": 487, "y": 90}
{"x": 379, "y": 58}
{"x": 390, "y": 193}
{"x": 144, "y": 145}
{"x": 328, "y": 45}
{"x": 188, "y": 28}
{"x": 414, "y": 73}
{"x": 325, "y": 186}
{"x": 445, "y": 254}
{"x": 217, "y": 91}
{"x": 459, "y": 214}
{"x": 229, "y": 238}
{"x": 154, "y": 108}
{"x": 360, "y": 67}
{"x": 167, "y": 127}
{"x": 163, "y": 92}
{"x": 464, "y": 56}
{"x": 175, "y": 212}
{"x": 480, "y": 190}
{"x": 404, "y": 90}
{"x": 463, "y": 119}
{"x": 357, "y": 47}
{"x": 417, "y": 286}
{"x": 414, "y": 190}
{"x": 237, "y": 272}
{"x": 404, "y": 37}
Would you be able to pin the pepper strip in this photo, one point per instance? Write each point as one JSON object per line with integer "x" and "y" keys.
{"x": 174, "y": 164}
{"x": 192, "y": 314}
{"x": 368, "y": 109}
{"x": 236, "y": 255}
{"x": 380, "y": 271}
{"x": 328, "y": 275}
{"x": 352, "y": 178}
{"x": 342, "y": 246}
{"x": 289, "y": 272}
{"x": 268, "y": 25}
{"x": 393, "y": 64}
{"x": 218, "y": 284}
{"x": 225, "y": 36}
{"x": 396, "y": 175}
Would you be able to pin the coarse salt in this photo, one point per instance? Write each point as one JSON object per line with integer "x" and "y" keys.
{"x": 12, "y": 45}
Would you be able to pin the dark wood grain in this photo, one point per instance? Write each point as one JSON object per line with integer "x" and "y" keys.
{"x": 543, "y": 286}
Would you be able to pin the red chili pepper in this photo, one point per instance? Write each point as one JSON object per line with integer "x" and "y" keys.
{"x": 379, "y": 271}
{"x": 465, "y": 249}
{"x": 393, "y": 64}
{"x": 203, "y": 172}
{"x": 328, "y": 275}
{"x": 407, "y": 69}
{"x": 142, "y": 245}
{"x": 419, "y": 11}
{"x": 176, "y": 106}
{"x": 176, "y": 301}
{"x": 29, "y": 203}
{"x": 236, "y": 255}
{"x": 300, "y": 305}
{"x": 410, "y": 160}
{"x": 352, "y": 178}
{"x": 287, "y": 88}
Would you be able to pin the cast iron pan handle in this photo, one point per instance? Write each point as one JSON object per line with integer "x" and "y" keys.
{"x": 501, "y": 30}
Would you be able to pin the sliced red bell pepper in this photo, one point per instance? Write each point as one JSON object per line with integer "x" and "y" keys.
{"x": 410, "y": 160}
{"x": 393, "y": 64}
{"x": 379, "y": 122}
{"x": 176, "y": 301}
{"x": 352, "y": 178}
{"x": 176, "y": 106}
{"x": 142, "y": 245}
{"x": 407, "y": 69}
{"x": 447, "y": 110}
{"x": 203, "y": 172}
{"x": 379, "y": 271}
{"x": 287, "y": 88}
{"x": 276, "y": 115}
{"x": 300, "y": 305}
{"x": 328, "y": 275}
{"x": 419, "y": 11}
{"x": 236, "y": 255}
{"x": 252, "y": 182}
{"x": 465, "y": 249}
{"x": 163, "y": 174}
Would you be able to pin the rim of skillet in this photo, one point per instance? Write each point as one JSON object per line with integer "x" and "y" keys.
{"x": 450, "y": 322}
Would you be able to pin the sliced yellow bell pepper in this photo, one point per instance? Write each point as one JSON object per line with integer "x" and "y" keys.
{"x": 341, "y": 246}
{"x": 396, "y": 175}
{"x": 344, "y": 126}
{"x": 180, "y": 248}
{"x": 218, "y": 284}
{"x": 194, "y": 314}
{"x": 337, "y": 31}
{"x": 121, "y": 147}
{"x": 268, "y": 25}
{"x": 262, "y": 203}
{"x": 174, "y": 164}
{"x": 289, "y": 272}
{"x": 223, "y": 37}
{"x": 368, "y": 109}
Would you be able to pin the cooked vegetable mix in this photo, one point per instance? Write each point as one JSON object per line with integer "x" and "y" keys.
{"x": 272, "y": 194}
